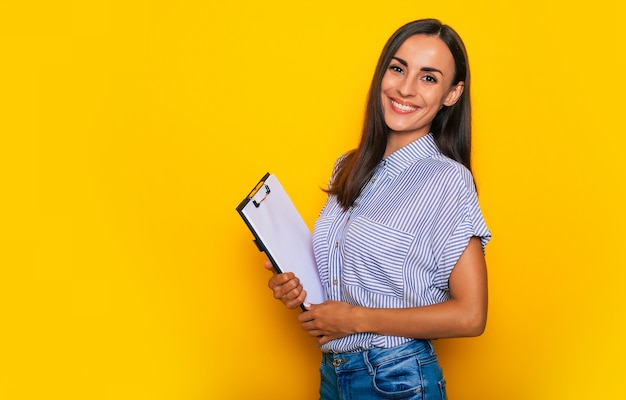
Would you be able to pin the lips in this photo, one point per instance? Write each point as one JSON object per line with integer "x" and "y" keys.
{"x": 402, "y": 108}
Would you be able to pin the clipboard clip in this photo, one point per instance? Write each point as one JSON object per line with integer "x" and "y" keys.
{"x": 267, "y": 192}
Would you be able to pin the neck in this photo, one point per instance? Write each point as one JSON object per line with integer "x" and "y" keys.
{"x": 397, "y": 140}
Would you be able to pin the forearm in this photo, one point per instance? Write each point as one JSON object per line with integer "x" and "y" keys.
{"x": 443, "y": 320}
{"x": 465, "y": 314}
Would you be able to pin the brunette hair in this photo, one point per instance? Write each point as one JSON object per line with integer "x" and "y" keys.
{"x": 451, "y": 127}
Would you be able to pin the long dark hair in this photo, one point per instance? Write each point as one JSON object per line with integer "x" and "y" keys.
{"x": 451, "y": 127}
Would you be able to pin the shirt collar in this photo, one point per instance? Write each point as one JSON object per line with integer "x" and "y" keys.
{"x": 399, "y": 160}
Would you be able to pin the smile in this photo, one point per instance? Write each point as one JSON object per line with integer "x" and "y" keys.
{"x": 402, "y": 107}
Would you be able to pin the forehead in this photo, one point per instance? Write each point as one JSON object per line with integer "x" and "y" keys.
{"x": 426, "y": 51}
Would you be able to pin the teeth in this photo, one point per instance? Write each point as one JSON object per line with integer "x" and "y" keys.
{"x": 403, "y": 107}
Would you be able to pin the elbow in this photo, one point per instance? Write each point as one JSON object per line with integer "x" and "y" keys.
{"x": 477, "y": 329}
{"x": 473, "y": 324}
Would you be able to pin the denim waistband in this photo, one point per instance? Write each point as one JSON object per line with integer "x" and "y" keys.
{"x": 377, "y": 356}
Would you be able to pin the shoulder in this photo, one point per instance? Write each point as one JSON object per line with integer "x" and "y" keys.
{"x": 450, "y": 173}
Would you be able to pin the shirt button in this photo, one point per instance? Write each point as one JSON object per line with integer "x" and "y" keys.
{"x": 373, "y": 180}
{"x": 336, "y": 244}
{"x": 335, "y": 281}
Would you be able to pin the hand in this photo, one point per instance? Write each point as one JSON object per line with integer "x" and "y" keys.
{"x": 286, "y": 287}
{"x": 329, "y": 320}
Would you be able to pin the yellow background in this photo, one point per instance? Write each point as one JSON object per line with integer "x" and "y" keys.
{"x": 131, "y": 129}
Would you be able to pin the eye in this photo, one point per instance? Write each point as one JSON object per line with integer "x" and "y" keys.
{"x": 429, "y": 78}
{"x": 396, "y": 68}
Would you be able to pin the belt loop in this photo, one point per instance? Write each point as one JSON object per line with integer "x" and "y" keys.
{"x": 431, "y": 348}
{"x": 367, "y": 363}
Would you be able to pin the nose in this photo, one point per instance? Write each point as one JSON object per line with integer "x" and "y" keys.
{"x": 407, "y": 88}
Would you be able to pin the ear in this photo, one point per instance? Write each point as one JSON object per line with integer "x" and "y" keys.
{"x": 455, "y": 94}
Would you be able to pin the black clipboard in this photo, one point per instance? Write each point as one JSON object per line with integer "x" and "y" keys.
{"x": 281, "y": 233}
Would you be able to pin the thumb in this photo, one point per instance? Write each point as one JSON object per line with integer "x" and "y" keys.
{"x": 268, "y": 265}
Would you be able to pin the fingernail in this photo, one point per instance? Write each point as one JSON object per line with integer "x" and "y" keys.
{"x": 306, "y": 305}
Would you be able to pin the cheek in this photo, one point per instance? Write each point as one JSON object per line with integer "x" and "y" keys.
{"x": 383, "y": 90}
{"x": 387, "y": 83}
{"x": 435, "y": 97}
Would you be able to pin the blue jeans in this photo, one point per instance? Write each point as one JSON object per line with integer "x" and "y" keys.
{"x": 410, "y": 371}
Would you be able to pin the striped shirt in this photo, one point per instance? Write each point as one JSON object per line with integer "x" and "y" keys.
{"x": 398, "y": 244}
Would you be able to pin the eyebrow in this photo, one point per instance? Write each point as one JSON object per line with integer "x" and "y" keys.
{"x": 425, "y": 69}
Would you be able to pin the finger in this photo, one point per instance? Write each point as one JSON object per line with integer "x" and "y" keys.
{"x": 289, "y": 292}
{"x": 308, "y": 327}
{"x": 316, "y": 333}
{"x": 323, "y": 339}
{"x": 279, "y": 280}
{"x": 297, "y": 295}
{"x": 293, "y": 294}
{"x": 269, "y": 266}
{"x": 282, "y": 278}
{"x": 304, "y": 318}
{"x": 297, "y": 301}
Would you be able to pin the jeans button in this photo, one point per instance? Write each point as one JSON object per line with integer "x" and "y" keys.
{"x": 338, "y": 361}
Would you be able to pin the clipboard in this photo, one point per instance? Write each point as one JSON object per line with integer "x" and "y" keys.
{"x": 280, "y": 232}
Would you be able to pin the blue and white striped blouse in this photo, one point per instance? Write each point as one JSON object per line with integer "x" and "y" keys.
{"x": 396, "y": 247}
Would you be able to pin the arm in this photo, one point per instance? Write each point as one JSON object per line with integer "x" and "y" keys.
{"x": 465, "y": 314}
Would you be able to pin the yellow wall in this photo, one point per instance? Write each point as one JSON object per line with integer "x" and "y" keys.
{"x": 131, "y": 129}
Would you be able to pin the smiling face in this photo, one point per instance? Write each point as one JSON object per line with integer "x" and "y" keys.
{"x": 418, "y": 82}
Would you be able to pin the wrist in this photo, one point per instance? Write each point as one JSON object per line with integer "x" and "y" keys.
{"x": 359, "y": 319}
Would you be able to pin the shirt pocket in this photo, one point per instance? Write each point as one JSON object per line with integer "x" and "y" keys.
{"x": 375, "y": 255}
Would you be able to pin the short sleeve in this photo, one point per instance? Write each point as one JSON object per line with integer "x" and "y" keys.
{"x": 462, "y": 220}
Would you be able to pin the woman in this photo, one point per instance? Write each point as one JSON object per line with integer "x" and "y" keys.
{"x": 400, "y": 242}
